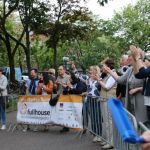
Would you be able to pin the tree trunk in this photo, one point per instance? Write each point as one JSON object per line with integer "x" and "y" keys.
{"x": 12, "y": 70}
{"x": 27, "y": 51}
{"x": 11, "y": 60}
{"x": 55, "y": 57}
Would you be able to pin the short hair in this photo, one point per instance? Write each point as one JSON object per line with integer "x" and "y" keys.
{"x": 110, "y": 63}
{"x": 97, "y": 69}
{"x": 52, "y": 70}
{"x": 62, "y": 67}
{"x": 124, "y": 56}
{"x": 35, "y": 69}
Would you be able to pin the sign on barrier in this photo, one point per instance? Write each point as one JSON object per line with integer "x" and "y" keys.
{"x": 36, "y": 110}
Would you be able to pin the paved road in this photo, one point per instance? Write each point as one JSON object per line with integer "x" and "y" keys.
{"x": 51, "y": 140}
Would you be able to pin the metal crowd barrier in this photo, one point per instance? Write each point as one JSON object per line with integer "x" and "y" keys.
{"x": 10, "y": 106}
{"x": 117, "y": 140}
{"x": 11, "y": 103}
{"x": 97, "y": 120}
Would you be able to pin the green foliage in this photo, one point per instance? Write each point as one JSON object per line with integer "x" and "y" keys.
{"x": 132, "y": 24}
{"x": 72, "y": 31}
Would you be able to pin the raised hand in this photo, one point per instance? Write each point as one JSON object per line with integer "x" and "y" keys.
{"x": 136, "y": 52}
{"x": 146, "y": 137}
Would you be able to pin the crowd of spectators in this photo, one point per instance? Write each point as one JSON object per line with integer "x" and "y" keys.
{"x": 130, "y": 84}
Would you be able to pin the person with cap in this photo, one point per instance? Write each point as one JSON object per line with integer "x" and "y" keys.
{"x": 3, "y": 95}
{"x": 142, "y": 71}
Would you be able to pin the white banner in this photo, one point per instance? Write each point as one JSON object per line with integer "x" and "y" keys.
{"x": 36, "y": 110}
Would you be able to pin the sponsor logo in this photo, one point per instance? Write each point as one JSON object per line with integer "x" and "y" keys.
{"x": 38, "y": 112}
{"x": 24, "y": 110}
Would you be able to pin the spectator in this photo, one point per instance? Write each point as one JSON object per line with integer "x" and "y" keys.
{"x": 142, "y": 71}
{"x": 121, "y": 88}
{"x": 32, "y": 84}
{"x": 45, "y": 85}
{"x": 61, "y": 83}
{"x": 124, "y": 64}
{"x": 76, "y": 86}
{"x": 108, "y": 89}
{"x": 134, "y": 99}
{"x": 93, "y": 89}
{"x": 62, "y": 80}
{"x": 108, "y": 82}
{"x": 3, "y": 94}
{"x": 91, "y": 80}
{"x": 51, "y": 73}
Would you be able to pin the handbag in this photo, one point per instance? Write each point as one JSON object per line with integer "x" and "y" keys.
{"x": 53, "y": 100}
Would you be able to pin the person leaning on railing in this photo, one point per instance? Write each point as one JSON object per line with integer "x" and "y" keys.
{"x": 134, "y": 100}
{"x": 45, "y": 85}
{"x": 31, "y": 89}
{"x": 93, "y": 89}
{"x": 142, "y": 70}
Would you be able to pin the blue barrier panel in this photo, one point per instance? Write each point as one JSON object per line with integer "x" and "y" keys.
{"x": 122, "y": 122}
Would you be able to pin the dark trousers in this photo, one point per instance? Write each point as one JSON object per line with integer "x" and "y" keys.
{"x": 148, "y": 114}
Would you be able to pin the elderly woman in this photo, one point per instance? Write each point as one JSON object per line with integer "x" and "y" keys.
{"x": 142, "y": 71}
{"x": 134, "y": 99}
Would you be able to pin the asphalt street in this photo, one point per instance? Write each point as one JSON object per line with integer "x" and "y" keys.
{"x": 41, "y": 140}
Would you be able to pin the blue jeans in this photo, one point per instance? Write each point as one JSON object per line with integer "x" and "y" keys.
{"x": 2, "y": 110}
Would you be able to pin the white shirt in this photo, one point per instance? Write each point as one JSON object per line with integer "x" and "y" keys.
{"x": 110, "y": 83}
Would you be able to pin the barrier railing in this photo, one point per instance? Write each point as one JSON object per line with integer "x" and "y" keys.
{"x": 118, "y": 143}
{"x": 11, "y": 103}
{"x": 97, "y": 119}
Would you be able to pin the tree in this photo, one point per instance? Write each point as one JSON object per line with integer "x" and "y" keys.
{"x": 30, "y": 13}
{"x": 131, "y": 26}
{"x": 68, "y": 21}
{"x": 10, "y": 41}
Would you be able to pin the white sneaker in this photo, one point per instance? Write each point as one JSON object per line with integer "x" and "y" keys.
{"x": 24, "y": 130}
{"x": 103, "y": 143}
{"x": 107, "y": 146}
{"x": 97, "y": 139}
{"x": 3, "y": 127}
